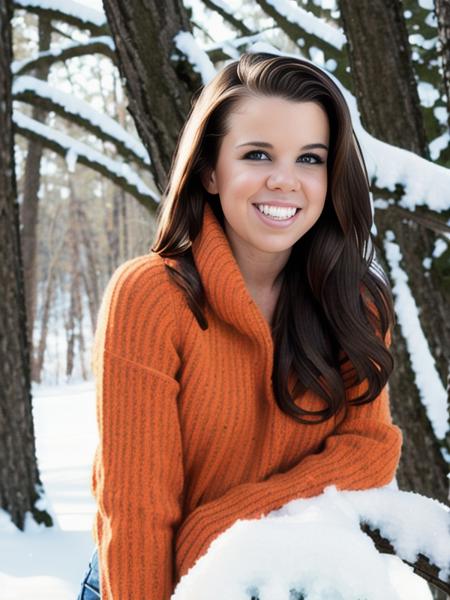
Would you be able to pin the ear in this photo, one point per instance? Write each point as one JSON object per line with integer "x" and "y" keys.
{"x": 208, "y": 178}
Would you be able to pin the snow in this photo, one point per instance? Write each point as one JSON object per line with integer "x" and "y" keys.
{"x": 440, "y": 246}
{"x": 74, "y": 147}
{"x": 271, "y": 554}
{"x": 18, "y": 65}
{"x": 200, "y": 61}
{"x": 439, "y": 144}
{"x": 68, "y": 7}
{"x": 426, "y": 4}
{"x": 316, "y": 546}
{"x": 48, "y": 563}
{"x": 429, "y": 384}
{"x": 428, "y": 94}
{"x": 309, "y": 22}
{"x": 77, "y": 107}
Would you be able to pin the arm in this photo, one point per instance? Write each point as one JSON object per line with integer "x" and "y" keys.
{"x": 138, "y": 471}
{"x": 363, "y": 452}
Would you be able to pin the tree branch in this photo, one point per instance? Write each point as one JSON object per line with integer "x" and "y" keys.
{"x": 102, "y": 45}
{"x": 97, "y": 26}
{"x": 119, "y": 173}
{"x": 84, "y": 115}
{"x": 422, "y": 566}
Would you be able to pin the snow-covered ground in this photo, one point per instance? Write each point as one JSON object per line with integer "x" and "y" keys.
{"x": 48, "y": 564}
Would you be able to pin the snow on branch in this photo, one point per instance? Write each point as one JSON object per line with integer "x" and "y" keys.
{"x": 185, "y": 42}
{"x": 73, "y": 150}
{"x": 232, "y": 47}
{"x": 69, "y": 11}
{"x": 306, "y": 20}
{"x": 33, "y": 90}
{"x": 319, "y": 548}
{"x": 432, "y": 392}
{"x": 103, "y": 45}
{"x": 228, "y": 15}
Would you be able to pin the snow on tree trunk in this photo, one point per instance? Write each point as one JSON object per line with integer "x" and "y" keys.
{"x": 390, "y": 111}
{"x": 442, "y": 8}
{"x": 19, "y": 478}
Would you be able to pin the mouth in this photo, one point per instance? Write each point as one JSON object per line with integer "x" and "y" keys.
{"x": 276, "y": 216}
{"x": 277, "y": 213}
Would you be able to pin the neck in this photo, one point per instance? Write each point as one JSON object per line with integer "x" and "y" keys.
{"x": 259, "y": 269}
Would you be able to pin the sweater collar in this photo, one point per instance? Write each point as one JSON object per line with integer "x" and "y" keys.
{"x": 223, "y": 282}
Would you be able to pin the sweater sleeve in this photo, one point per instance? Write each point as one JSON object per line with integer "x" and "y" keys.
{"x": 362, "y": 452}
{"x": 138, "y": 475}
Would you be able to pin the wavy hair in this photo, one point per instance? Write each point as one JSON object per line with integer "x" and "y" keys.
{"x": 331, "y": 325}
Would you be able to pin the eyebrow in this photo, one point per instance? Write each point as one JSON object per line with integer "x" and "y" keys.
{"x": 267, "y": 145}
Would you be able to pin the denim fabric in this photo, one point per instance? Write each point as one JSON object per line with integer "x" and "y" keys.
{"x": 90, "y": 588}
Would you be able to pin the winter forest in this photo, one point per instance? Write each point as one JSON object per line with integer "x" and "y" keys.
{"x": 92, "y": 99}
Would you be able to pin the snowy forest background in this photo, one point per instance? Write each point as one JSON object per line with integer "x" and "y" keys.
{"x": 99, "y": 93}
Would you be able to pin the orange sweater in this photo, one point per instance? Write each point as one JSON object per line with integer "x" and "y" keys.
{"x": 191, "y": 437}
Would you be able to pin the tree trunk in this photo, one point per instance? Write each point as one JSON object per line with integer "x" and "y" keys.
{"x": 29, "y": 212}
{"x": 390, "y": 111}
{"x": 158, "y": 89}
{"x": 20, "y": 486}
{"x": 378, "y": 43}
{"x": 442, "y": 8}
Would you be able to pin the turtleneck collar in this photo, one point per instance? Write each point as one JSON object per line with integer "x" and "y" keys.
{"x": 223, "y": 282}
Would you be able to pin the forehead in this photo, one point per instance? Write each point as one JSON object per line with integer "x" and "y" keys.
{"x": 273, "y": 116}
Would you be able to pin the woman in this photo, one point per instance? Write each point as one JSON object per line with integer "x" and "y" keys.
{"x": 244, "y": 362}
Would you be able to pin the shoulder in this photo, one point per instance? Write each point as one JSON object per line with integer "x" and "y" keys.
{"x": 138, "y": 313}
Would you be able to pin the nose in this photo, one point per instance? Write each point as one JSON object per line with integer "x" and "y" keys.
{"x": 284, "y": 178}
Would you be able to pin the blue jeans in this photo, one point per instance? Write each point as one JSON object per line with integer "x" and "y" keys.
{"x": 90, "y": 588}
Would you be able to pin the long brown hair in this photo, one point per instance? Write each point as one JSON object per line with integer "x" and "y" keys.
{"x": 335, "y": 308}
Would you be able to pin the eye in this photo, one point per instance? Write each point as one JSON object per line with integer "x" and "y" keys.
{"x": 311, "y": 159}
{"x": 253, "y": 152}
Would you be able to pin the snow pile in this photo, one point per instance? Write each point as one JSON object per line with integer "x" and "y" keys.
{"x": 68, "y": 7}
{"x": 316, "y": 547}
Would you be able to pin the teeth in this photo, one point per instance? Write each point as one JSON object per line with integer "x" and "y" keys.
{"x": 277, "y": 212}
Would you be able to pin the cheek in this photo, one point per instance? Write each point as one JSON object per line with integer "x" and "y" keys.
{"x": 317, "y": 185}
{"x": 241, "y": 183}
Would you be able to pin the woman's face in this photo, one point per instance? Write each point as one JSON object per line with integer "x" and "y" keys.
{"x": 271, "y": 173}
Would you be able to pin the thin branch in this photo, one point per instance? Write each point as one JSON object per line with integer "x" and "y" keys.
{"x": 28, "y": 89}
{"x": 118, "y": 173}
{"x": 422, "y": 566}
{"x": 294, "y": 30}
{"x": 91, "y": 20}
{"x": 228, "y": 16}
{"x": 102, "y": 45}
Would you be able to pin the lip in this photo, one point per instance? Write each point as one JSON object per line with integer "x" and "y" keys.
{"x": 272, "y": 222}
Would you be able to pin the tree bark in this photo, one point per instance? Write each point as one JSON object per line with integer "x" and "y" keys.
{"x": 382, "y": 72}
{"x": 20, "y": 486}
{"x": 159, "y": 90}
{"x": 390, "y": 111}
{"x": 442, "y": 8}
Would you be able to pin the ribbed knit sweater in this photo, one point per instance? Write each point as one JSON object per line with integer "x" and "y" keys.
{"x": 191, "y": 436}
